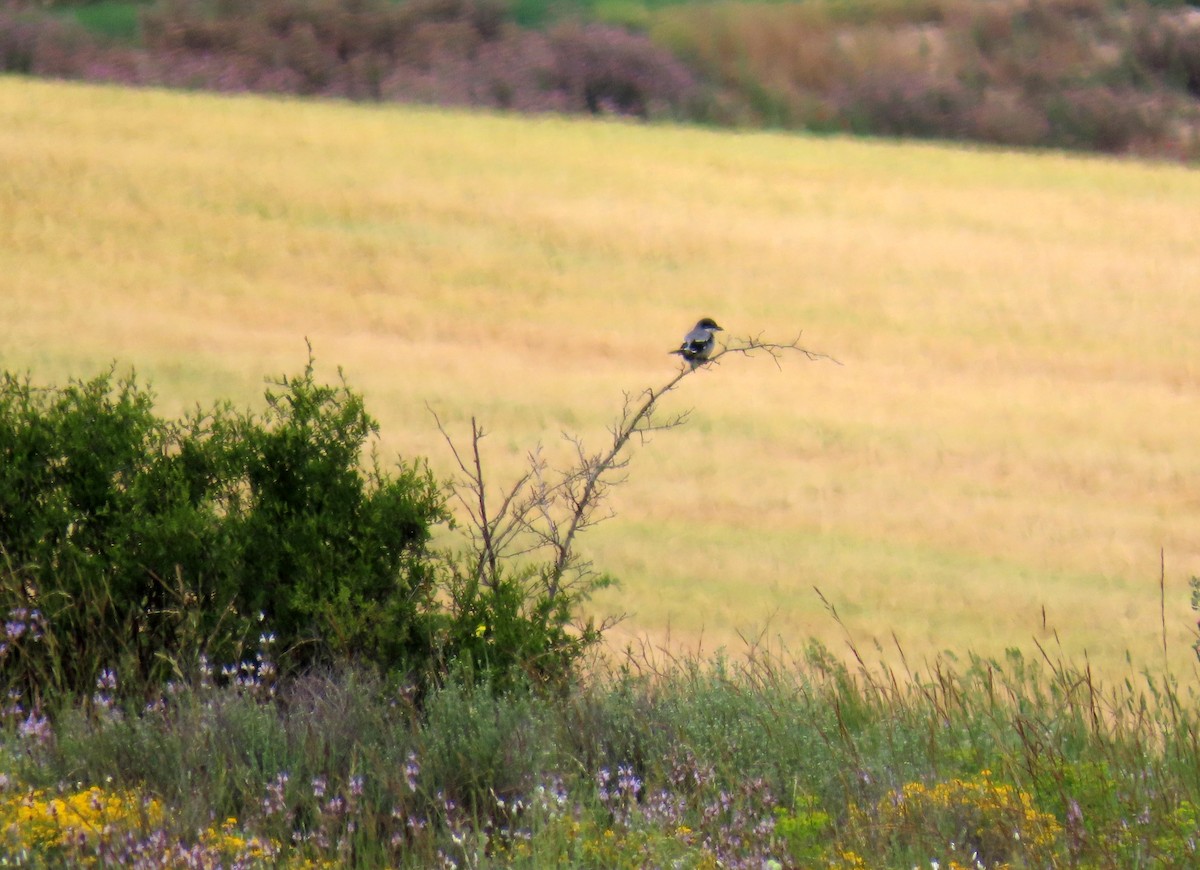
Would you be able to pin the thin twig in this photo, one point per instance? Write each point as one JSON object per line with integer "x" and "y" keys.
{"x": 1162, "y": 600}
{"x": 537, "y": 513}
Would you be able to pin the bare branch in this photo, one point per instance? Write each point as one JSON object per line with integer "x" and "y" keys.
{"x": 754, "y": 344}
{"x": 490, "y": 536}
{"x": 542, "y": 512}
{"x": 639, "y": 419}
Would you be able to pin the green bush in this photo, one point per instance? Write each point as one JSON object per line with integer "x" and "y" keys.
{"x": 511, "y": 632}
{"x": 110, "y": 19}
{"x": 136, "y": 550}
{"x": 137, "y": 544}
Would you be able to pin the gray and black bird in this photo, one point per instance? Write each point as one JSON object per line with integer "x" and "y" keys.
{"x": 699, "y": 343}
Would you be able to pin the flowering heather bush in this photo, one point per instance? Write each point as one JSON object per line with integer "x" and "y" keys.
{"x": 591, "y": 69}
{"x": 457, "y": 52}
{"x": 44, "y": 46}
{"x": 317, "y": 46}
{"x": 609, "y": 70}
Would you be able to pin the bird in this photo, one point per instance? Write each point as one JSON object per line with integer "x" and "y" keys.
{"x": 699, "y": 343}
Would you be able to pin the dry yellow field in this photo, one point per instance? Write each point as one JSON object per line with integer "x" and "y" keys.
{"x": 1015, "y": 429}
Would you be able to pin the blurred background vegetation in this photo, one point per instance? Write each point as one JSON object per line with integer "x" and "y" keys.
{"x": 1103, "y": 75}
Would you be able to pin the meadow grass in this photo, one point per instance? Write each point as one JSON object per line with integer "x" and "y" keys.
{"x": 1007, "y": 445}
{"x": 773, "y": 760}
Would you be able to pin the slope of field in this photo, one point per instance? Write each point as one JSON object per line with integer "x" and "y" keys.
{"x": 1010, "y": 440}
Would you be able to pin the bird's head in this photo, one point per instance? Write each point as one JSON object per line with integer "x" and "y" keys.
{"x": 709, "y": 323}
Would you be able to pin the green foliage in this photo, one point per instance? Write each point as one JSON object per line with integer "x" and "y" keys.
{"x": 139, "y": 544}
{"x": 805, "y": 829}
{"x": 509, "y": 631}
{"x": 480, "y": 744}
{"x": 146, "y": 549}
{"x": 113, "y": 19}
{"x": 629, "y": 13}
{"x": 332, "y": 552}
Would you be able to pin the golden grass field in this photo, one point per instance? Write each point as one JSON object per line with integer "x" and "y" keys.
{"x": 1015, "y": 429}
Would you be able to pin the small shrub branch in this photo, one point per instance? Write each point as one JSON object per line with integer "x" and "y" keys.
{"x": 541, "y": 515}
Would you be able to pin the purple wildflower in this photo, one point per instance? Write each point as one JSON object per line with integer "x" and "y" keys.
{"x": 412, "y": 769}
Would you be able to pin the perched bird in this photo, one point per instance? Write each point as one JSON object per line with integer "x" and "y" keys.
{"x": 699, "y": 343}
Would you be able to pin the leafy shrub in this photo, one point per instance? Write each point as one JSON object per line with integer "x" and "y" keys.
{"x": 134, "y": 550}
{"x": 609, "y": 70}
{"x": 1170, "y": 46}
{"x": 332, "y": 552}
{"x": 477, "y": 759}
{"x": 42, "y": 45}
{"x": 115, "y": 20}
{"x": 510, "y": 631}
{"x": 1008, "y": 117}
{"x": 333, "y": 47}
{"x": 914, "y": 105}
{"x": 137, "y": 544}
{"x": 1081, "y": 74}
{"x": 805, "y": 830}
{"x": 445, "y": 51}
{"x": 1102, "y": 118}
